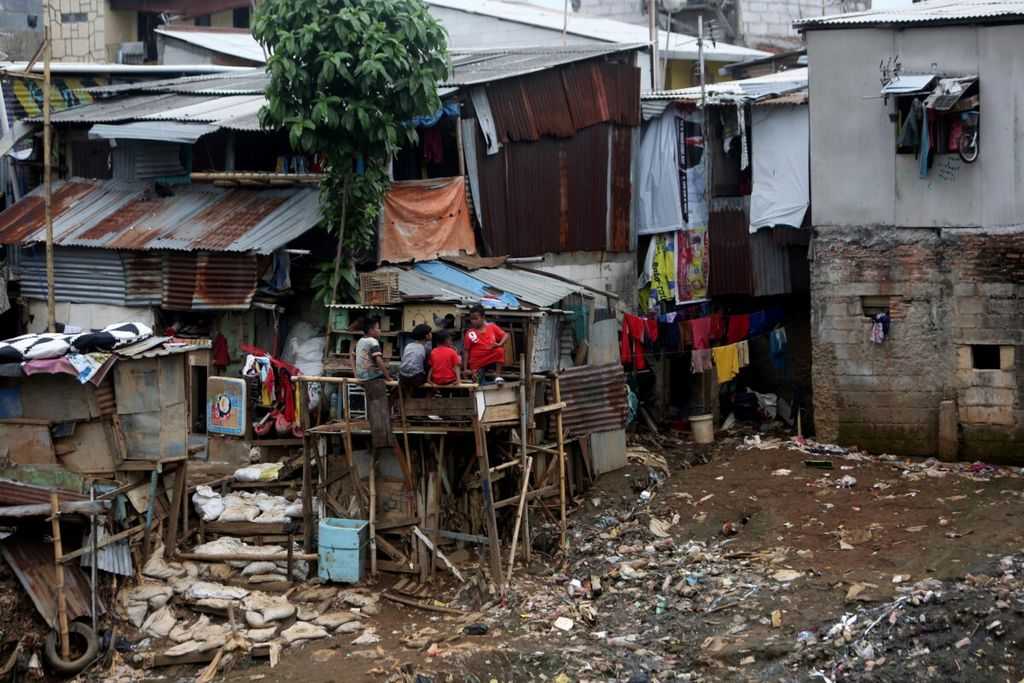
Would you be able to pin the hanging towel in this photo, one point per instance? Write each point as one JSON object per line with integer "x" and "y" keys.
{"x": 700, "y": 361}
{"x": 743, "y": 353}
{"x": 739, "y": 328}
{"x": 726, "y": 362}
{"x": 701, "y": 330}
{"x": 777, "y": 346}
{"x": 717, "y": 330}
{"x": 758, "y": 323}
{"x": 652, "y": 329}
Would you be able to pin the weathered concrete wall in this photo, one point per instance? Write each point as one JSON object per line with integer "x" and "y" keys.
{"x": 858, "y": 177}
{"x": 767, "y": 24}
{"x": 947, "y": 290}
{"x": 613, "y": 272}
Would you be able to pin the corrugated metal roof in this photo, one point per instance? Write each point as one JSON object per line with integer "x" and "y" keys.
{"x": 240, "y": 45}
{"x": 17, "y": 493}
{"x": 162, "y": 131}
{"x": 94, "y": 276}
{"x": 155, "y": 347}
{"x": 905, "y": 84}
{"x": 473, "y": 67}
{"x": 243, "y": 81}
{"x": 119, "y": 215}
{"x": 679, "y": 45}
{"x": 141, "y": 70}
{"x": 747, "y": 89}
{"x": 930, "y": 12}
{"x": 237, "y": 112}
{"x": 536, "y": 289}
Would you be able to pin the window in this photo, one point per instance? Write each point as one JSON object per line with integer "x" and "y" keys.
{"x": 985, "y": 356}
{"x": 951, "y": 108}
{"x": 874, "y": 305}
{"x": 240, "y": 17}
{"x": 203, "y": 20}
{"x": 73, "y": 17}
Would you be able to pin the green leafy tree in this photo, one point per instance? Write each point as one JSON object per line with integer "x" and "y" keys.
{"x": 346, "y": 78}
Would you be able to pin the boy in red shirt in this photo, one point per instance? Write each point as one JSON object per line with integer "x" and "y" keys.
{"x": 483, "y": 346}
{"x": 444, "y": 361}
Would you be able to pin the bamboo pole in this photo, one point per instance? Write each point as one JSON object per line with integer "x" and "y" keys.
{"x": 373, "y": 512}
{"x": 62, "y": 600}
{"x": 561, "y": 459}
{"x": 519, "y": 519}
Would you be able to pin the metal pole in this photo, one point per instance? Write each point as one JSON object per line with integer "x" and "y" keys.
{"x": 565, "y": 20}
{"x": 51, "y": 314}
{"x": 700, "y": 58}
{"x": 95, "y": 559}
{"x": 652, "y": 17}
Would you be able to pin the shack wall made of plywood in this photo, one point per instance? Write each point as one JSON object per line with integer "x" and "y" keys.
{"x": 152, "y": 405}
{"x": 55, "y": 398}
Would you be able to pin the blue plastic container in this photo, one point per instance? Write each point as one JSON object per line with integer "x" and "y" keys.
{"x": 343, "y": 547}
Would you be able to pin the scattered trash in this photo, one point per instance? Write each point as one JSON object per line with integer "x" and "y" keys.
{"x": 563, "y": 624}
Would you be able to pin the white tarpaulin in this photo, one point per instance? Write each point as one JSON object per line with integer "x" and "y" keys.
{"x": 657, "y": 177}
{"x": 781, "y": 175}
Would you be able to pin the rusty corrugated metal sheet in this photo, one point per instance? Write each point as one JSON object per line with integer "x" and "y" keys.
{"x": 208, "y": 281}
{"x": 142, "y": 271}
{"x": 115, "y": 214}
{"x": 17, "y": 493}
{"x": 32, "y": 562}
{"x": 560, "y": 102}
{"x": 105, "y": 402}
{"x": 729, "y": 250}
{"x": 622, "y": 188}
{"x": 25, "y": 217}
{"x": 586, "y": 189}
{"x": 770, "y": 265}
{"x": 595, "y": 397}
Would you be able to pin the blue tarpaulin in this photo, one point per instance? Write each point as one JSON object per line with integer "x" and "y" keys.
{"x": 490, "y": 297}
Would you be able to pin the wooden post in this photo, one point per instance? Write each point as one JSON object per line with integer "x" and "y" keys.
{"x": 433, "y": 518}
{"x": 171, "y": 539}
{"x": 524, "y": 425}
{"x": 51, "y": 306}
{"x": 519, "y": 518}
{"x": 405, "y": 438}
{"x": 488, "y": 495}
{"x": 561, "y": 458}
{"x": 150, "y": 512}
{"x": 62, "y": 602}
{"x": 307, "y": 469}
{"x": 373, "y": 511}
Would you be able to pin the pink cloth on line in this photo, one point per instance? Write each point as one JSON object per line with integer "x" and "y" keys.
{"x": 701, "y": 329}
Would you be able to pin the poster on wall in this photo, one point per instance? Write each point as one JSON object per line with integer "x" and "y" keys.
{"x": 225, "y": 406}
{"x": 691, "y": 268}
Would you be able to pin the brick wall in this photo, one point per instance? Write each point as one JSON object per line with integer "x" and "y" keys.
{"x": 947, "y": 290}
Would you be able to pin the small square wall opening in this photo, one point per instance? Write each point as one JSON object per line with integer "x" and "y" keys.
{"x": 985, "y": 357}
{"x": 874, "y": 305}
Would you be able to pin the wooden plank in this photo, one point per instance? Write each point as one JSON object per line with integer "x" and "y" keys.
{"x": 440, "y": 555}
{"x": 180, "y": 482}
{"x": 560, "y": 436}
{"x": 239, "y": 529}
{"x": 28, "y": 444}
{"x": 373, "y": 512}
{"x": 455, "y": 406}
{"x": 422, "y": 605}
{"x": 520, "y": 513}
{"x": 501, "y": 413}
{"x": 431, "y": 519}
{"x": 85, "y": 550}
{"x": 397, "y": 567}
{"x": 539, "y": 493}
{"x": 489, "y": 506}
{"x": 549, "y": 408}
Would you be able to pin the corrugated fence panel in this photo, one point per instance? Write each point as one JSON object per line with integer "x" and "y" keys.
{"x": 546, "y": 96}
{"x": 94, "y": 276}
{"x": 585, "y": 92}
{"x": 587, "y": 189}
{"x": 595, "y": 397}
{"x": 729, "y": 248}
{"x": 224, "y": 281}
{"x": 622, "y": 85}
{"x": 534, "y": 198}
{"x": 622, "y": 187}
{"x": 513, "y": 117}
{"x": 770, "y": 265}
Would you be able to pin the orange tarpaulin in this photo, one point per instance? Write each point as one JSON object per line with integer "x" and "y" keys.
{"x": 424, "y": 219}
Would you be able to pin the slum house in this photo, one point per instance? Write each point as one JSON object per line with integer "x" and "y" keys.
{"x": 476, "y": 479}
{"x": 136, "y": 239}
{"x": 21, "y": 142}
{"x": 99, "y": 439}
{"x": 722, "y": 211}
{"x": 916, "y": 318}
{"x": 488, "y": 24}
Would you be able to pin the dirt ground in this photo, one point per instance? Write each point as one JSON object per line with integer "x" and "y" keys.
{"x": 755, "y": 566}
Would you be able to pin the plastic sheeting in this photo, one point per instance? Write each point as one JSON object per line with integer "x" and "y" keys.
{"x": 424, "y": 219}
{"x": 781, "y": 174}
{"x": 659, "y": 208}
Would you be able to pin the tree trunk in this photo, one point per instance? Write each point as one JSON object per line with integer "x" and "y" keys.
{"x": 341, "y": 239}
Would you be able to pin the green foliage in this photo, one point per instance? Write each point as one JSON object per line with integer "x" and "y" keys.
{"x": 346, "y": 77}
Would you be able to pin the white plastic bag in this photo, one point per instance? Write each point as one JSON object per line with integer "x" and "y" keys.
{"x": 266, "y": 471}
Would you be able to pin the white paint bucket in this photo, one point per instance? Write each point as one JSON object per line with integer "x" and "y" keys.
{"x": 703, "y": 427}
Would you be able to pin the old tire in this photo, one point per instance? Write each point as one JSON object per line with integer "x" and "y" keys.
{"x": 73, "y": 666}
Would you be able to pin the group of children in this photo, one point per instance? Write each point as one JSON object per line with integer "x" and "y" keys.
{"x": 437, "y": 363}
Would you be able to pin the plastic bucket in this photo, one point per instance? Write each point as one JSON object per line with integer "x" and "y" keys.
{"x": 703, "y": 427}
